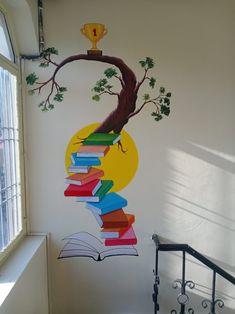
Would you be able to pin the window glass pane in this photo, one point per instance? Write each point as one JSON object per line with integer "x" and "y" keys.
{"x": 10, "y": 186}
{"x": 5, "y": 43}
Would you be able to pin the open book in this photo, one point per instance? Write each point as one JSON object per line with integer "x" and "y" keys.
{"x": 84, "y": 244}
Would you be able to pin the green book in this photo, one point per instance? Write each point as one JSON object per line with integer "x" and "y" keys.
{"x": 105, "y": 187}
{"x": 102, "y": 139}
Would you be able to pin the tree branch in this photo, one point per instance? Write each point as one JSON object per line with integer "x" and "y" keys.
{"x": 109, "y": 92}
{"x": 142, "y": 81}
{"x": 128, "y": 76}
{"x": 42, "y": 84}
{"x": 151, "y": 101}
{"x": 120, "y": 79}
{"x": 50, "y": 61}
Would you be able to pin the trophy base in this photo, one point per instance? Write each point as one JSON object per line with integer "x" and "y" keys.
{"x": 94, "y": 52}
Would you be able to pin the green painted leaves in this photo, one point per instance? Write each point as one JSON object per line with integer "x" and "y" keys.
{"x": 152, "y": 82}
{"x": 96, "y": 97}
{"x": 162, "y": 104}
{"x": 146, "y": 97}
{"x": 157, "y": 116}
{"x": 148, "y": 63}
{"x": 57, "y": 91}
{"x": 62, "y": 89}
{"x": 46, "y": 55}
{"x": 44, "y": 64}
{"x": 31, "y": 79}
{"x": 110, "y": 72}
{"x": 162, "y": 90}
{"x": 162, "y": 101}
{"x": 45, "y": 106}
{"x": 102, "y": 86}
{"x": 165, "y": 110}
{"x": 49, "y": 51}
{"x": 58, "y": 97}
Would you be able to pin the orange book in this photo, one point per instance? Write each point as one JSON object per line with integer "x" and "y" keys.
{"x": 117, "y": 219}
{"x": 83, "y": 178}
{"x": 115, "y": 232}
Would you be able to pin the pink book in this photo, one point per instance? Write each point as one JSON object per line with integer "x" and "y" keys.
{"x": 92, "y": 151}
{"x": 128, "y": 238}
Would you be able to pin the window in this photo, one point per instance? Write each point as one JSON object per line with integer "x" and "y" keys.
{"x": 11, "y": 226}
{"x": 5, "y": 47}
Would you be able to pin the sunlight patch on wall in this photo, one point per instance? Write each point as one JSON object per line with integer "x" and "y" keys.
{"x": 200, "y": 202}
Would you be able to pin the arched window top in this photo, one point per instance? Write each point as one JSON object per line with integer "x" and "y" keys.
{"x": 6, "y": 48}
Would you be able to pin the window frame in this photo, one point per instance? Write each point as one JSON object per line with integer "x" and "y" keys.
{"x": 9, "y": 35}
{"x": 15, "y": 69}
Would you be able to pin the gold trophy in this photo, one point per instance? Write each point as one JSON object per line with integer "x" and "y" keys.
{"x": 94, "y": 32}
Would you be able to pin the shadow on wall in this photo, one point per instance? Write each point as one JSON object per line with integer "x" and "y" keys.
{"x": 199, "y": 190}
{"x": 199, "y": 201}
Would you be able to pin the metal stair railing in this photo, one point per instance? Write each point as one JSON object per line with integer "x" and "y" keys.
{"x": 182, "y": 283}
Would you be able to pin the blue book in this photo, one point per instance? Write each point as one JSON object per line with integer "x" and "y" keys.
{"x": 109, "y": 203}
{"x": 84, "y": 161}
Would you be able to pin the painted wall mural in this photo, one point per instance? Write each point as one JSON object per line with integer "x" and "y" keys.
{"x": 96, "y": 172}
{"x": 97, "y": 162}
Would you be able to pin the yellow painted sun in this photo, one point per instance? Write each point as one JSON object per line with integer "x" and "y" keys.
{"x": 117, "y": 166}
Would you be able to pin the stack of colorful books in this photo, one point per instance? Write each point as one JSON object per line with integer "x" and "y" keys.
{"x": 86, "y": 185}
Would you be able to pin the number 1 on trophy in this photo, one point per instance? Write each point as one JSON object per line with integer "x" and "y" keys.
{"x": 94, "y": 32}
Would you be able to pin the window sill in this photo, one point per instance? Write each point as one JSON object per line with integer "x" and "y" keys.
{"x": 12, "y": 269}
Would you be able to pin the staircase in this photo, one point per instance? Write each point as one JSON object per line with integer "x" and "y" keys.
{"x": 183, "y": 284}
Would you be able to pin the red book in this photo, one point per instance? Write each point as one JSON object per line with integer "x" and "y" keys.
{"x": 88, "y": 189}
{"x": 117, "y": 218}
{"x": 83, "y": 178}
{"x": 128, "y": 238}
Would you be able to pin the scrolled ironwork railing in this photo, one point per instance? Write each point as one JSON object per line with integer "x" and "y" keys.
{"x": 184, "y": 285}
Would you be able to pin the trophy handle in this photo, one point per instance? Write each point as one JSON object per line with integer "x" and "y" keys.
{"x": 83, "y": 31}
{"x": 105, "y": 32}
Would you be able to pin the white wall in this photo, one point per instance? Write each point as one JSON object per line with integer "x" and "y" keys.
{"x": 23, "y": 279}
{"x": 25, "y": 19}
{"x": 184, "y": 187}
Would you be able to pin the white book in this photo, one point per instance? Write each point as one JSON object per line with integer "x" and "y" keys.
{"x": 84, "y": 244}
{"x": 78, "y": 169}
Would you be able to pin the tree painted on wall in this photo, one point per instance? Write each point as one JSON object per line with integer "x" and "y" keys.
{"x": 129, "y": 103}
